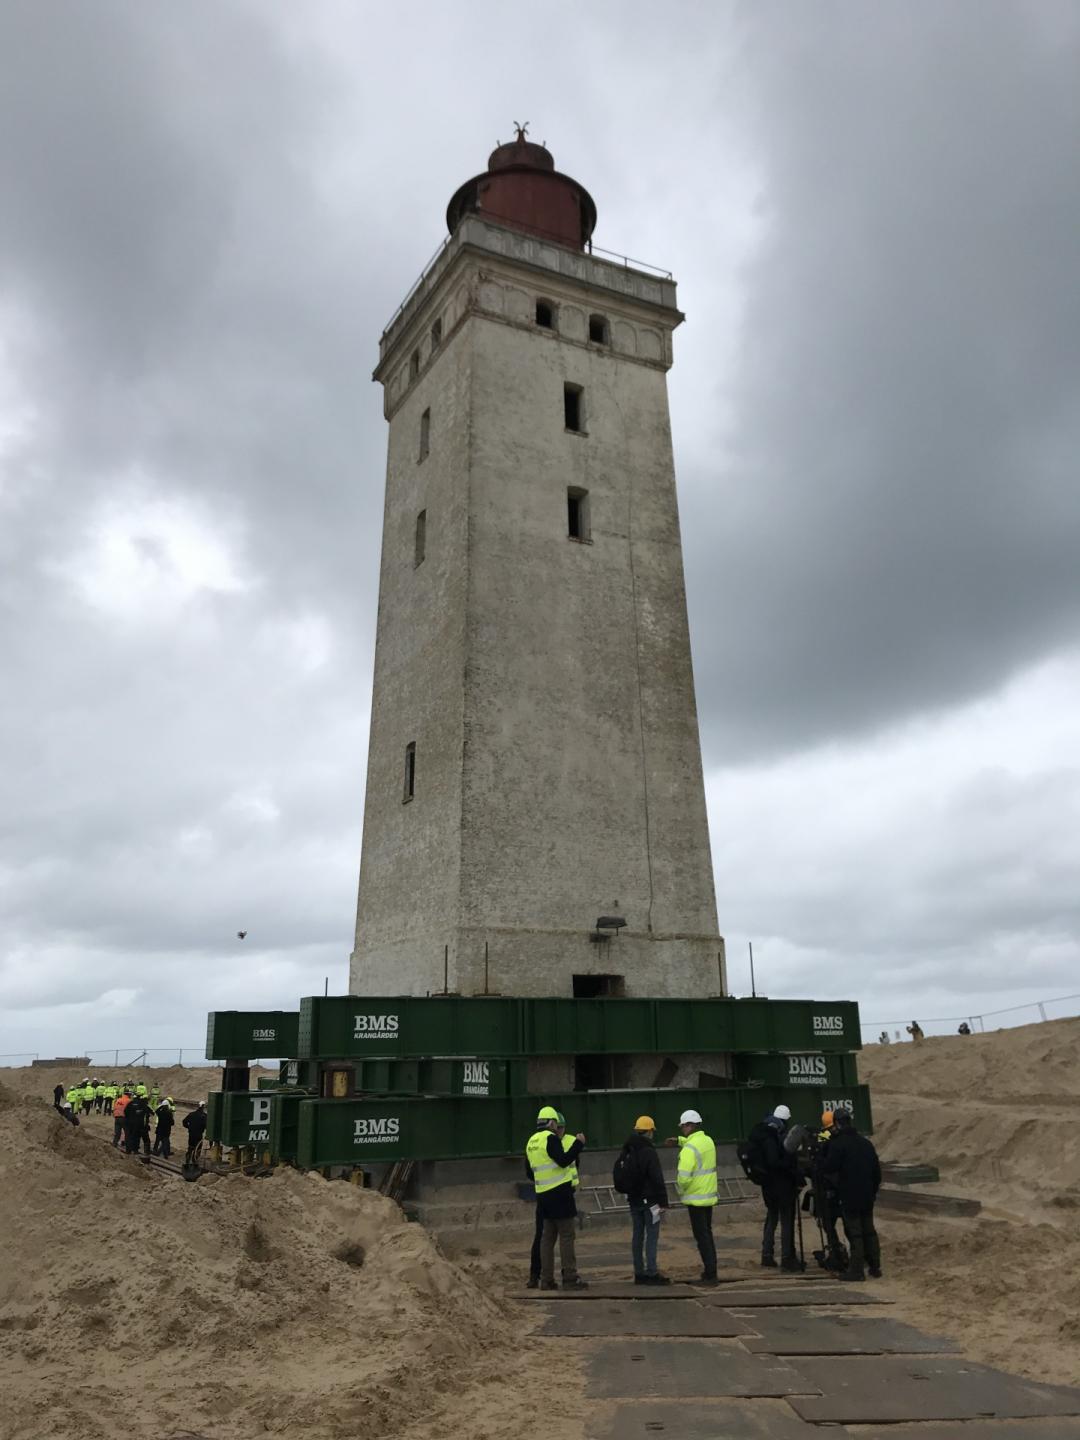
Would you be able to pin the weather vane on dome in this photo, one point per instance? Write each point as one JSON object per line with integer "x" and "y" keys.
{"x": 522, "y": 131}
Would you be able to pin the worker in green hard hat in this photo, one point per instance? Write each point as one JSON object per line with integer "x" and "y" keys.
{"x": 552, "y": 1167}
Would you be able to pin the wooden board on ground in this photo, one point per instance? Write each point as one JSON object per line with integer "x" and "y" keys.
{"x": 630, "y": 1317}
{"x": 684, "y": 1369}
{"x": 888, "y": 1389}
{"x": 807, "y": 1332}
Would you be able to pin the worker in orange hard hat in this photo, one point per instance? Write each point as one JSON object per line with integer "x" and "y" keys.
{"x": 822, "y": 1197}
{"x": 637, "y": 1175}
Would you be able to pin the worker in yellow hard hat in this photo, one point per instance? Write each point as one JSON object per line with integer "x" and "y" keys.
{"x": 551, "y": 1166}
{"x": 822, "y": 1198}
{"x": 637, "y": 1174}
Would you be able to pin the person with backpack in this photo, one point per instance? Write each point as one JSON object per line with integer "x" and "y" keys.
{"x": 769, "y": 1165}
{"x": 638, "y": 1176}
{"x": 852, "y": 1165}
{"x": 695, "y": 1181}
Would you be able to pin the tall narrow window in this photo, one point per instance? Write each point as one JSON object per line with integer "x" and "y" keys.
{"x": 436, "y": 334}
{"x": 414, "y": 364}
{"x": 545, "y": 315}
{"x": 599, "y": 333}
{"x": 421, "y": 539}
{"x": 425, "y": 434}
{"x": 577, "y": 513}
{"x": 410, "y": 772}
{"x": 573, "y": 407}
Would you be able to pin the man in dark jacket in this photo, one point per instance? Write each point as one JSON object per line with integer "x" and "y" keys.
{"x": 163, "y": 1133}
{"x": 779, "y": 1181}
{"x": 57, "y": 1096}
{"x": 137, "y": 1126}
{"x": 195, "y": 1125}
{"x": 648, "y": 1199}
{"x": 852, "y": 1165}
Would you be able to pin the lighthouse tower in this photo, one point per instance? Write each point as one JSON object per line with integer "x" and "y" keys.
{"x": 534, "y": 770}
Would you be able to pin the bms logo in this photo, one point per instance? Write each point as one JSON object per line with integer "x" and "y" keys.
{"x": 806, "y": 1069}
{"x": 828, "y": 1025}
{"x": 375, "y": 1027}
{"x": 366, "y": 1132}
{"x": 260, "y": 1112}
{"x": 838, "y": 1102}
{"x": 477, "y": 1079}
{"x": 264, "y": 1034}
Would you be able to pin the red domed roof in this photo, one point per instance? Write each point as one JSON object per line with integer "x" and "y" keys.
{"x": 521, "y": 188}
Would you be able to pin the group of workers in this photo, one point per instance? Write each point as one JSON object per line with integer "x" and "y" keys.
{"x": 839, "y": 1167}
{"x": 134, "y": 1107}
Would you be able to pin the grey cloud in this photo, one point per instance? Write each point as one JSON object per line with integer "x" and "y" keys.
{"x": 892, "y": 526}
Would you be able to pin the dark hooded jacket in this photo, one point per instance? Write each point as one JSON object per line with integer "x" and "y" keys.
{"x": 851, "y": 1165}
{"x": 650, "y": 1187}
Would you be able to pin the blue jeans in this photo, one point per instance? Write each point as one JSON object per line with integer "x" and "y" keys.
{"x": 645, "y": 1238}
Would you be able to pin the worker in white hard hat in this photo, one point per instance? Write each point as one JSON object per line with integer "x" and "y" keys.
{"x": 769, "y": 1165}
{"x": 695, "y": 1182}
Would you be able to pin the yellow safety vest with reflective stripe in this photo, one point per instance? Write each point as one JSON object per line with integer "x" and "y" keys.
{"x": 546, "y": 1174}
{"x": 571, "y": 1170}
{"x": 696, "y": 1178}
{"x": 140, "y": 1090}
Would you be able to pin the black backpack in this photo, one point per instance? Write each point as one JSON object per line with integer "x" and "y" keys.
{"x": 751, "y": 1155}
{"x": 625, "y": 1174}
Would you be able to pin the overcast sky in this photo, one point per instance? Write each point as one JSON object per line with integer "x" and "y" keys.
{"x": 207, "y": 214}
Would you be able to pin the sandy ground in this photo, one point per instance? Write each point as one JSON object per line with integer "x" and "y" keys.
{"x": 140, "y": 1306}
{"x": 136, "y": 1305}
{"x": 997, "y": 1114}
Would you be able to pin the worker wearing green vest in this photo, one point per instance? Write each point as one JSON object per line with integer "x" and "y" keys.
{"x": 112, "y": 1090}
{"x": 552, "y": 1168}
{"x": 695, "y": 1183}
{"x": 99, "y": 1095}
{"x": 140, "y": 1091}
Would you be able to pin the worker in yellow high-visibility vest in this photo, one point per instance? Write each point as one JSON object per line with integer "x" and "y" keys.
{"x": 551, "y": 1168}
{"x": 695, "y": 1182}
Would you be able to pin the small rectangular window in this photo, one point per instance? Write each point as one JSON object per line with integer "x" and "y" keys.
{"x": 573, "y": 409}
{"x": 425, "y": 434}
{"x": 410, "y": 772}
{"x": 436, "y": 334}
{"x": 421, "y": 539}
{"x": 414, "y": 364}
{"x": 577, "y": 513}
{"x": 599, "y": 333}
{"x": 545, "y": 315}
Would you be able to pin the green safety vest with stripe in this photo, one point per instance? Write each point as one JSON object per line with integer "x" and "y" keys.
{"x": 546, "y": 1173}
{"x": 571, "y": 1170}
{"x": 696, "y": 1178}
{"x": 100, "y": 1091}
{"x": 111, "y": 1092}
{"x": 74, "y": 1097}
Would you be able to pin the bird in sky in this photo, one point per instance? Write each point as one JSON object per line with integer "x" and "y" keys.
{"x": 240, "y": 934}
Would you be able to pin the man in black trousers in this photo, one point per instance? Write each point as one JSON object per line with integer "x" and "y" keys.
{"x": 852, "y": 1165}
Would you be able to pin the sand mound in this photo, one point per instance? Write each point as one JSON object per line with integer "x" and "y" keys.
{"x": 996, "y": 1113}
{"x": 311, "y": 1305}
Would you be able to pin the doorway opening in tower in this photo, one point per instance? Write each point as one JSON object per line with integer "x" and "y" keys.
{"x": 600, "y": 1072}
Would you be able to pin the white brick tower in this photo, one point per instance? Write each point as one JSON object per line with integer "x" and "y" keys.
{"x": 534, "y": 762}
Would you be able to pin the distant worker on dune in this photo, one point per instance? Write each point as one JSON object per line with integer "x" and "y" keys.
{"x": 57, "y": 1096}
{"x": 915, "y": 1031}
